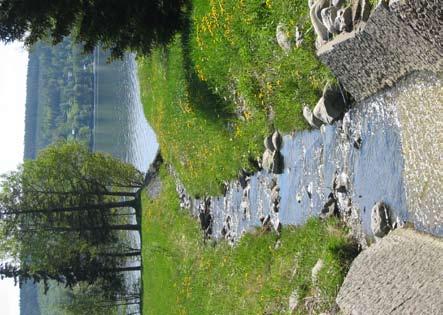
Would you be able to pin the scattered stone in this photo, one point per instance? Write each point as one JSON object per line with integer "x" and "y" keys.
{"x": 329, "y": 209}
{"x": 357, "y": 143}
{"x": 331, "y": 105}
{"x": 277, "y": 140}
{"x": 277, "y": 163}
{"x": 328, "y": 16}
{"x": 267, "y": 160}
{"x": 316, "y": 269}
{"x": 298, "y": 37}
{"x": 313, "y": 121}
{"x": 282, "y": 38}
{"x": 315, "y": 15}
{"x": 380, "y": 219}
{"x": 344, "y": 20}
{"x": 277, "y": 226}
{"x": 268, "y": 143}
{"x": 341, "y": 183}
{"x": 266, "y": 220}
{"x": 338, "y": 3}
{"x": 293, "y": 301}
{"x": 361, "y": 9}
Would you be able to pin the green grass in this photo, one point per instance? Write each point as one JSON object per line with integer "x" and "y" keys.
{"x": 222, "y": 85}
{"x": 183, "y": 275}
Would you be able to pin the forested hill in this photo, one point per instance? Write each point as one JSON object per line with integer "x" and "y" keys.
{"x": 59, "y": 100}
{"x": 59, "y": 105}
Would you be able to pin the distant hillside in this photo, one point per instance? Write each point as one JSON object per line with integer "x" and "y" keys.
{"x": 60, "y": 95}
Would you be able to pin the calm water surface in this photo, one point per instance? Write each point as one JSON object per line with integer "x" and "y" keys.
{"x": 120, "y": 127}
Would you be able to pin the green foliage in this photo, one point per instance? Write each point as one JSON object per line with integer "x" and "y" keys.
{"x": 58, "y": 215}
{"x": 119, "y": 25}
{"x": 183, "y": 275}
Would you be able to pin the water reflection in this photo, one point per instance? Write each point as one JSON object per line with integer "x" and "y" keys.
{"x": 120, "y": 128}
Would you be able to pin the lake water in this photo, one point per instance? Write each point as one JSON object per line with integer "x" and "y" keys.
{"x": 120, "y": 127}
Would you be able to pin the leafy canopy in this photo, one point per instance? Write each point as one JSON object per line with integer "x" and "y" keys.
{"x": 120, "y": 25}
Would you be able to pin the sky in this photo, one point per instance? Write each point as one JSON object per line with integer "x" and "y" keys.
{"x": 13, "y": 66}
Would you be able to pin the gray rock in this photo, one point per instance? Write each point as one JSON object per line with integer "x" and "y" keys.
{"x": 329, "y": 209}
{"x": 331, "y": 105}
{"x": 315, "y": 15}
{"x": 361, "y": 10}
{"x": 277, "y": 225}
{"x": 275, "y": 194}
{"x": 268, "y": 143}
{"x": 316, "y": 269}
{"x": 293, "y": 301}
{"x": 267, "y": 160}
{"x": 338, "y": 3}
{"x": 341, "y": 183}
{"x": 298, "y": 37}
{"x": 344, "y": 19}
{"x": 277, "y": 140}
{"x": 313, "y": 121}
{"x": 277, "y": 163}
{"x": 380, "y": 219}
{"x": 328, "y": 16}
{"x": 283, "y": 39}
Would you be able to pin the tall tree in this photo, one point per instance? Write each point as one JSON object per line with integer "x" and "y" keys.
{"x": 58, "y": 216}
{"x": 119, "y": 25}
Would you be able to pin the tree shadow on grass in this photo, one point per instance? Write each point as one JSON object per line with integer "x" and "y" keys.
{"x": 202, "y": 98}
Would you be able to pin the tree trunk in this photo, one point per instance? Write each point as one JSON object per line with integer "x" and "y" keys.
{"x": 109, "y": 205}
{"x": 128, "y": 254}
{"x": 122, "y": 269}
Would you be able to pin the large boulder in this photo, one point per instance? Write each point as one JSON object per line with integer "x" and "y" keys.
{"x": 400, "y": 274}
{"x": 331, "y": 105}
{"x": 277, "y": 163}
{"x": 313, "y": 121}
{"x": 277, "y": 140}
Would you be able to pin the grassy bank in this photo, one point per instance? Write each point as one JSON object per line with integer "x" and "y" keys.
{"x": 224, "y": 83}
{"x": 182, "y": 275}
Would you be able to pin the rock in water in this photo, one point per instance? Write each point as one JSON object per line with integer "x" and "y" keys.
{"x": 277, "y": 140}
{"x": 331, "y": 105}
{"x": 282, "y": 38}
{"x": 313, "y": 121}
{"x": 380, "y": 219}
{"x": 267, "y": 160}
{"x": 329, "y": 209}
{"x": 277, "y": 163}
{"x": 268, "y": 143}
